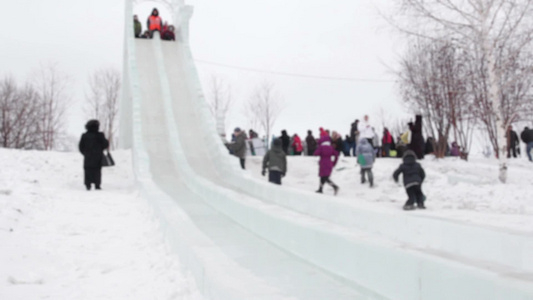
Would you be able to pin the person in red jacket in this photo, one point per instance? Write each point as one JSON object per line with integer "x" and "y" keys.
{"x": 386, "y": 142}
{"x": 154, "y": 22}
{"x": 297, "y": 145}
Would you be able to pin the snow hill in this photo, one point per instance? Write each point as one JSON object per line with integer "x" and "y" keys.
{"x": 60, "y": 241}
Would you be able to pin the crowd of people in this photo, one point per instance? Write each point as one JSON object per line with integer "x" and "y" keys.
{"x": 154, "y": 23}
{"x": 363, "y": 143}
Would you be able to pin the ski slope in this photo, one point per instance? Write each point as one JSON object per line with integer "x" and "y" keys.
{"x": 246, "y": 239}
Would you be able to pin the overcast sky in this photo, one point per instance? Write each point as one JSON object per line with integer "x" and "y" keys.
{"x": 341, "y": 38}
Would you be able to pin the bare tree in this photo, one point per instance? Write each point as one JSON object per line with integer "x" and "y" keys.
{"x": 51, "y": 86}
{"x": 220, "y": 101}
{"x": 264, "y": 106}
{"x": 493, "y": 28}
{"x": 432, "y": 81}
{"x": 19, "y": 112}
{"x": 103, "y": 101}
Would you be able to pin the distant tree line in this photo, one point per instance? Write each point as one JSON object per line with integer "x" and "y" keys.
{"x": 33, "y": 115}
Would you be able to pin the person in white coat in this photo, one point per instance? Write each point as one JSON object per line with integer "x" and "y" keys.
{"x": 366, "y": 131}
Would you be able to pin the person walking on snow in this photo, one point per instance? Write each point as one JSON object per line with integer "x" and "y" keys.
{"x": 527, "y": 138}
{"x": 238, "y": 148}
{"x": 276, "y": 162}
{"x": 366, "y": 131}
{"x": 92, "y": 145}
{"x": 326, "y": 151}
{"x": 365, "y": 159}
{"x": 154, "y": 22}
{"x": 413, "y": 177}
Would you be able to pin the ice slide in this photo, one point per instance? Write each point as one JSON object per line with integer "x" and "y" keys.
{"x": 244, "y": 239}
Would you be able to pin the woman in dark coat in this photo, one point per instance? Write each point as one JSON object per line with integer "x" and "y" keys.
{"x": 285, "y": 141}
{"x": 417, "y": 140}
{"x": 92, "y": 145}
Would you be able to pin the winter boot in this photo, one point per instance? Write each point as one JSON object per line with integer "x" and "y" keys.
{"x": 97, "y": 187}
{"x": 335, "y": 190}
{"x": 408, "y": 207}
{"x": 88, "y": 186}
{"x": 319, "y": 190}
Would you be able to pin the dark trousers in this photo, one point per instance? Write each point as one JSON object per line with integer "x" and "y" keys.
{"x": 324, "y": 180}
{"x": 353, "y": 146}
{"x": 296, "y": 153}
{"x": 311, "y": 151}
{"x": 386, "y": 150}
{"x": 274, "y": 177}
{"x": 415, "y": 195}
{"x": 242, "y": 163}
{"x": 509, "y": 149}
{"x": 369, "y": 175}
{"x": 93, "y": 176}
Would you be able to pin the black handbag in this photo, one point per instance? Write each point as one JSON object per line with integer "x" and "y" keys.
{"x": 107, "y": 160}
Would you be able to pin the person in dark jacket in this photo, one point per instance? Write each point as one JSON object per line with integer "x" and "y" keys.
{"x": 238, "y": 148}
{"x": 285, "y": 141}
{"x": 512, "y": 141}
{"x": 354, "y": 135}
{"x": 429, "y": 146}
{"x": 326, "y": 152}
{"x": 92, "y": 145}
{"x": 276, "y": 162}
{"x": 137, "y": 26}
{"x": 413, "y": 176}
{"x": 527, "y": 138}
{"x": 311, "y": 143}
{"x": 417, "y": 140}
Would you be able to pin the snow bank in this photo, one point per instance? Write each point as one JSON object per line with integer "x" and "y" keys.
{"x": 60, "y": 241}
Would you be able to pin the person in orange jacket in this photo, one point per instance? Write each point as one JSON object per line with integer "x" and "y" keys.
{"x": 297, "y": 145}
{"x": 154, "y": 22}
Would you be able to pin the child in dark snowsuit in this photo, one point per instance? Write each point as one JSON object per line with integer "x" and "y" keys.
{"x": 326, "y": 151}
{"x": 413, "y": 176}
{"x": 276, "y": 162}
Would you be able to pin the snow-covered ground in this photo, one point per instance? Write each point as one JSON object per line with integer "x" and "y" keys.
{"x": 455, "y": 189}
{"x": 59, "y": 241}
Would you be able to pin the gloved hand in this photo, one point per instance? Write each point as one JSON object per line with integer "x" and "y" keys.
{"x": 263, "y": 172}
{"x": 282, "y": 174}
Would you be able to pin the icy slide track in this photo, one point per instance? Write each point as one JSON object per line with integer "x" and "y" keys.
{"x": 244, "y": 239}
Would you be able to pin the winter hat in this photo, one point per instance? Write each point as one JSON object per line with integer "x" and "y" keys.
{"x": 409, "y": 153}
{"x": 92, "y": 125}
{"x": 276, "y": 143}
{"x": 237, "y": 129}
